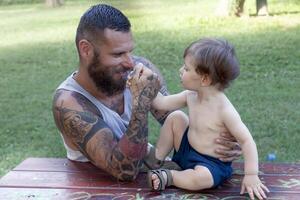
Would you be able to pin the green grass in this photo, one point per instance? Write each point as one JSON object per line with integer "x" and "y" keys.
{"x": 37, "y": 52}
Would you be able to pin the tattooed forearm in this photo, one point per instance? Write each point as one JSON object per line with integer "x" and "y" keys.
{"x": 159, "y": 115}
{"x": 106, "y": 149}
{"x": 136, "y": 139}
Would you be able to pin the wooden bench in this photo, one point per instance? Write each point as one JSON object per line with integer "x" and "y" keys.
{"x": 58, "y": 178}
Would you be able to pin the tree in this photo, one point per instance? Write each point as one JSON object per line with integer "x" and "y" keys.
{"x": 54, "y": 3}
{"x": 261, "y": 7}
{"x": 222, "y": 8}
{"x": 238, "y": 7}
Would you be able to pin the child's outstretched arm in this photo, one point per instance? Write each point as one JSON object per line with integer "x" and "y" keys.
{"x": 170, "y": 102}
{"x": 238, "y": 129}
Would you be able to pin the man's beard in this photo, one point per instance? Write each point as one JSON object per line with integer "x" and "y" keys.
{"x": 103, "y": 79}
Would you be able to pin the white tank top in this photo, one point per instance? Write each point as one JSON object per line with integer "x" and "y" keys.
{"x": 117, "y": 123}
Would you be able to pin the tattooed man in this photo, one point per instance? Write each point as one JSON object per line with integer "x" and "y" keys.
{"x": 100, "y": 119}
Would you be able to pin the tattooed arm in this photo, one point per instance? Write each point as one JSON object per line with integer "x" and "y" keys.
{"x": 83, "y": 129}
{"x": 159, "y": 115}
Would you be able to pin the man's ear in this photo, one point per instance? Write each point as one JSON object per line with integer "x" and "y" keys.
{"x": 206, "y": 80}
{"x": 85, "y": 48}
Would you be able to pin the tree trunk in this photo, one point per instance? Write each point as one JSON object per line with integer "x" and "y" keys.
{"x": 222, "y": 8}
{"x": 238, "y": 7}
{"x": 54, "y": 3}
{"x": 261, "y": 7}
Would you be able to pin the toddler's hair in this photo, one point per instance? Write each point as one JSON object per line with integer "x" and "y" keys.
{"x": 216, "y": 58}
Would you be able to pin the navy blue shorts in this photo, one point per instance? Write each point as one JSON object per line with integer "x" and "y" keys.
{"x": 187, "y": 158}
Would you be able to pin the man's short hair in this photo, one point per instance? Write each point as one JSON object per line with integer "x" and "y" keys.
{"x": 99, "y": 17}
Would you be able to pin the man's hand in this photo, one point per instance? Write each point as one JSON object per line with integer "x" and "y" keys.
{"x": 159, "y": 115}
{"x": 231, "y": 149}
{"x": 143, "y": 80}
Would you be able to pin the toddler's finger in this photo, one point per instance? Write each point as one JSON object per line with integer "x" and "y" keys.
{"x": 257, "y": 193}
{"x": 265, "y": 188}
{"x": 250, "y": 192}
{"x": 242, "y": 189}
{"x": 262, "y": 193}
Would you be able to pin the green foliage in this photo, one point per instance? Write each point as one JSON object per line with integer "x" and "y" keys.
{"x": 37, "y": 52}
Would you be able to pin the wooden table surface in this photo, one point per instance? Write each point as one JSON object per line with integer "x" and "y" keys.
{"x": 59, "y": 178}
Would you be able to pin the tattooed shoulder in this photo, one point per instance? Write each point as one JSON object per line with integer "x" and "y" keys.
{"x": 76, "y": 117}
{"x": 79, "y": 126}
{"x": 66, "y": 98}
{"x": 86, "y": 104}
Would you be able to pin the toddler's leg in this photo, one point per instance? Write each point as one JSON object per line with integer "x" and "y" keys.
{"x": 171, "y": 134}
{"x": 191, "y": 179}
{"x": 198, "y": 178}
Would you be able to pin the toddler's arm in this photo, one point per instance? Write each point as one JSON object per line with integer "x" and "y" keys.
{"x": 238, "y": 129}
{"x": 170, "y": 102}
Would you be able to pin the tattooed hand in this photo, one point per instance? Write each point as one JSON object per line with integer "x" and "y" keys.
{"x": 143, "y": 83}
{"x": 159, "y": 115}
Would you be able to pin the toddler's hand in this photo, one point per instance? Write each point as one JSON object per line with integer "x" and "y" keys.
{"x": 254, "y": 186}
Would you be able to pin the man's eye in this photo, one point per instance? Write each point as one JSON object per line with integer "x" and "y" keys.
{"x": 117, "y": 54}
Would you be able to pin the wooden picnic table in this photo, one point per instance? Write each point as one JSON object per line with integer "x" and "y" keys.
{"x": 60, "y": 178}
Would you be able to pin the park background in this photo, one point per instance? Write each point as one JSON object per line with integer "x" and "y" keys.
{"x": 37, "y": 52}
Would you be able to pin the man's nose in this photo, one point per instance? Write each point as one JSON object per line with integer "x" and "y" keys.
{"x": 128, "y": 61}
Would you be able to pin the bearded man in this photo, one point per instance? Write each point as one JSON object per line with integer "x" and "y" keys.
{"x": 99, "y": 118}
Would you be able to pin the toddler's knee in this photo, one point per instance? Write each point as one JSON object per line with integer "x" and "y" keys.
{"x": 178, "y": 115}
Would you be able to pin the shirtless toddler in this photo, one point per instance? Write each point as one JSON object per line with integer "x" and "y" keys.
{"x": 209, "y": 66}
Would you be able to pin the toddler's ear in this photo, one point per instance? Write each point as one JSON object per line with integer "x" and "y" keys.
{"x": 205, "y": 80}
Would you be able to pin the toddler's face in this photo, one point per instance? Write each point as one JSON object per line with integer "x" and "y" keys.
{"x": 190, "y": 79}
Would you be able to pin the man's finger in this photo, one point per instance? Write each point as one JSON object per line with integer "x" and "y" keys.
{"x": 229, "y": 144}
{"x": 131, "y": 73}
{"x": 227, "y": 135}
{"x": 141, "y": 72}
{"x": 136, "y": 69}
{"x": 226, "y": 156}
{"x": 225, "y": 152}
{"x": 228, "y": 159}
